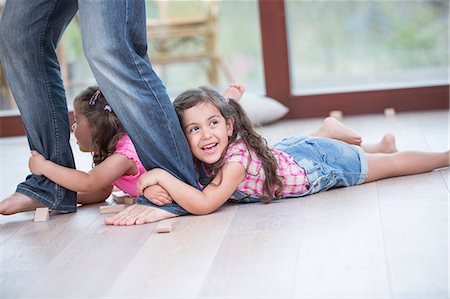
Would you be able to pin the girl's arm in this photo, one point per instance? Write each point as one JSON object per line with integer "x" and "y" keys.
{"x": 101, "y": 176}
{"x": 157, "y": 195}
{"x": 87, "y": 198}
{"x": 193, "y": 200}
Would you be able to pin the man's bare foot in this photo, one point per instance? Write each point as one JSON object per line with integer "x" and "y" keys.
{"x": 18, "y": 202}
{"x": 138, "y": 214}
{"x": 333, "y": 128}
{"x": 386, "y": 145}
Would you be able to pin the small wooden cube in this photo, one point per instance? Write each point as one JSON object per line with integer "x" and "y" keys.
{"x": 119, "y": 193}
{"x": 119, "y": 200}
{"x": 164, "y": 227}
{"x": 389, "y": 112}
{"x": 337, "y": 114}
{"x": 129, "y": 200}
{"x": 111, "y": 209}
{"x": 41, "y": 215}
{"x": 123, "y": 198}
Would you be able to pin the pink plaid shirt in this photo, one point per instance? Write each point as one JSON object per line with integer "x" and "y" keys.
{"x": 294, "y": 177}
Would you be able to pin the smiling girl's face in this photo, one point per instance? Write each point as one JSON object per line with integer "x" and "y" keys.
{"x": 207, "y": 131}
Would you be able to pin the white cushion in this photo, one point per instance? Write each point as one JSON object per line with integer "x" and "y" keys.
{"x": 261, "y": 109}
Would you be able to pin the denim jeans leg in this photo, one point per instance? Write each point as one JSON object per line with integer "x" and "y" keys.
{"x": 115, "y": 44}
{"x": 29, "y": 33}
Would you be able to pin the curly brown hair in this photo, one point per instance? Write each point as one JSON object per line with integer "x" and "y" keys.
{"x": 106, "y": 126}
{"x": 242, "y": 128}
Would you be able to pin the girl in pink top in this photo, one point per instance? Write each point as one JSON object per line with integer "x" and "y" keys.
{"x": 235, "y": 162}
{"x": 115, "y": 161}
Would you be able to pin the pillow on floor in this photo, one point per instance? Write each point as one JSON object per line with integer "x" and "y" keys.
{"x": 261, "y": 109}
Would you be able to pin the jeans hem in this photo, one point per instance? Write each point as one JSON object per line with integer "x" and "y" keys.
{"x": 35, "y": 196}
{"x": 173, "y": 208}
{"x": 364, "y": 165}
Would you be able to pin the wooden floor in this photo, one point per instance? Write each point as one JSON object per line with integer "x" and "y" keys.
{"x": 387, "y": 239}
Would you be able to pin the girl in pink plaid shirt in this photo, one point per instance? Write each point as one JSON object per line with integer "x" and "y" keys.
{"x": 235, "y": 162}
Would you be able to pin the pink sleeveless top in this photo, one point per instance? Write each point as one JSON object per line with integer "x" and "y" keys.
{"x": 127, "y": 183}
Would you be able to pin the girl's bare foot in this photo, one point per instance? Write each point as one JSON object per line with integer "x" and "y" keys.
{"x": 234, "y": 91}
{"x": 138, "y": 214}
{"x": 18, "y": 202}
{"x": 386, "y": 145}
{"x": 333, "y": 128}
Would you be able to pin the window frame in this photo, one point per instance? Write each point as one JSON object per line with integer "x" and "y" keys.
{"x": 278, "y": 83}
{"x": 278, "y": 80}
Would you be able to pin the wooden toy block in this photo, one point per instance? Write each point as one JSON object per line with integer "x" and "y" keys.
{"x": 389, "y": 112}
{"x": 111, "y": 209}
{"x": 129, "y": 200}
{"x": 164, "y": 227}
{"x": 119, "y": 200}
{"x": 337, "y": 114}
{"x": 123, "y": 198}
{"x": 41, "y": 215}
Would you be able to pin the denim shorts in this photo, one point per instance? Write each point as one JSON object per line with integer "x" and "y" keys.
{"x": 328, "y": 163}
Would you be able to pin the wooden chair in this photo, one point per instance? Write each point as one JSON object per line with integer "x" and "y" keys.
{"x": 185, "y": 31}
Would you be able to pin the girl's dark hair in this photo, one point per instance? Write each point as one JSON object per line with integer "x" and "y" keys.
{"x": 242, "y": 128}
{"x": 105, "y": 125}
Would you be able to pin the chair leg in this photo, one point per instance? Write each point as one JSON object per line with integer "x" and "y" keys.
{"x": 225, "y": 69}
{"x": 213, "y": 75}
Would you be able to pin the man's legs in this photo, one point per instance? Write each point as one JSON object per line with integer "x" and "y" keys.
{"x": 115, "y": 44}
{"x": 29, "y": 33}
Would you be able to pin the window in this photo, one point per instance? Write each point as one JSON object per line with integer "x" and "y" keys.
{"x": 365, "y": 45}
{"x": 404, "y": 73}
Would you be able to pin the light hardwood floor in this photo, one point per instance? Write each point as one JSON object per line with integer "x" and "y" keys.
{"x": 387, "y": 239}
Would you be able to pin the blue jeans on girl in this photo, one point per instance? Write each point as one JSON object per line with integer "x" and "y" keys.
{"x": 115, "y": 44}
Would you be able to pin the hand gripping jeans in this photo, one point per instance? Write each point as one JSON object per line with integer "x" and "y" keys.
{"x": 115, "y": 44}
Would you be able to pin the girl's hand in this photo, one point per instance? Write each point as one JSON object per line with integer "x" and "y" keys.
{"x": 36, "y": 163}
{"x": 150, "y": 178}
{"x": 157, "y": 195}
{"x": 234, "y": 91}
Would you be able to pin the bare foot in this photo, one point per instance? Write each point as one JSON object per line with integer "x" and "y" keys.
{"x": 18, "y": 202}
{"x": 386, "y": 145}
{"x": 234, "y": 91}
{"x": 138, "y": 214}
{"x": 333, "y": 128}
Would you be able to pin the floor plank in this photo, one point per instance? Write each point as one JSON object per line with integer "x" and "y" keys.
{"x": 174, "y": 264}
{"x": 385, "y": 239}
{"x": 28, "y": 254}
{"x": 258, "y": 254}
{"x": 414, "y": 213}
{"x": 342, "y": 252}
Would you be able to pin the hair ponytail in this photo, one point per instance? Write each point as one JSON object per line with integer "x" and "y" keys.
{"x": 106, "y": 126}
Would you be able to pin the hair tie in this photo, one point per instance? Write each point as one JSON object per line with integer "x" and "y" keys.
{"x": 107, "y": 108}
{"x": 94, "y": 97}
{"x": 227, "y": 100}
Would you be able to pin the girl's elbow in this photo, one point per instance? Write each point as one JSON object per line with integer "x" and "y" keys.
{"x": 199, "y": 211}
{"x": 88, "y": 187}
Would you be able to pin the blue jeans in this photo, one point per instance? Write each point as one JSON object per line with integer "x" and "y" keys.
{"x": 115, "y": 44}
{"x": 328, "y": 163}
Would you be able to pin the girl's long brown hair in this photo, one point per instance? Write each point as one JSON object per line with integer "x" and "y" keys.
{"x": 105, "y": 125}
{"x": 242, "y": 128}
